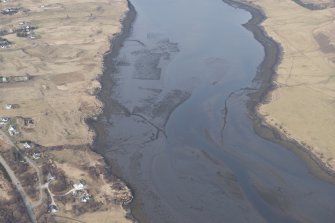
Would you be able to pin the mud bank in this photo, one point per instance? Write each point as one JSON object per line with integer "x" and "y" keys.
{"x": 106, "y": 85}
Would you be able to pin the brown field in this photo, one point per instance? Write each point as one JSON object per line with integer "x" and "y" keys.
{"x": 51, "y": 57}
{"x": 64, "y": 60}
{"x": 5, "y": 188}
{"x": 106, "y": 191}
{"x": 303, "y": 105}
{"x": 110, "y": 216}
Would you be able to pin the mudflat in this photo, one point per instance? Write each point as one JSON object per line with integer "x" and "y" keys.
{"x": 301, "y": 106}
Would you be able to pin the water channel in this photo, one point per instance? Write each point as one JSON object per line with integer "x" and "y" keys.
{"x": 178, "y": 129}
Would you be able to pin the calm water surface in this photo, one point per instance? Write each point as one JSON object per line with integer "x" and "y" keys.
{"x": 179, "y": 131}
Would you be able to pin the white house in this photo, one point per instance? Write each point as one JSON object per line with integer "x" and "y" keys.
{"x": 12, "y": 131}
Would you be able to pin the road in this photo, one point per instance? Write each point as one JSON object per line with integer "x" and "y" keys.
{"x": 46, "y": 186}
{"x": 19, "y": 188}
{"x": 39, "y": 176}
{"x": 16, "y": 181}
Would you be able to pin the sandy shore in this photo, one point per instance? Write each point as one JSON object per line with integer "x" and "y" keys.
{"x": 52, "y": 55}
{"x": 300, "y": 103}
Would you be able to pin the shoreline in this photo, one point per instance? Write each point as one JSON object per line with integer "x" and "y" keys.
{"x": 310, "y": 6}
{"x": 103, "y": 95}
{"x": 265, "y": 76}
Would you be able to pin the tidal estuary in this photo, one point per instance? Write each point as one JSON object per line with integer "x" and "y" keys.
{"x": 177, "y": 129}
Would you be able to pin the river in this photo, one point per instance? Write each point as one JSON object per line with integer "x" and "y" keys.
{"x": 176, "y": 126}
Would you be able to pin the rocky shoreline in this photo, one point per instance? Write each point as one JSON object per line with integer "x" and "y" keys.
{"x": 104, "y": 94}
